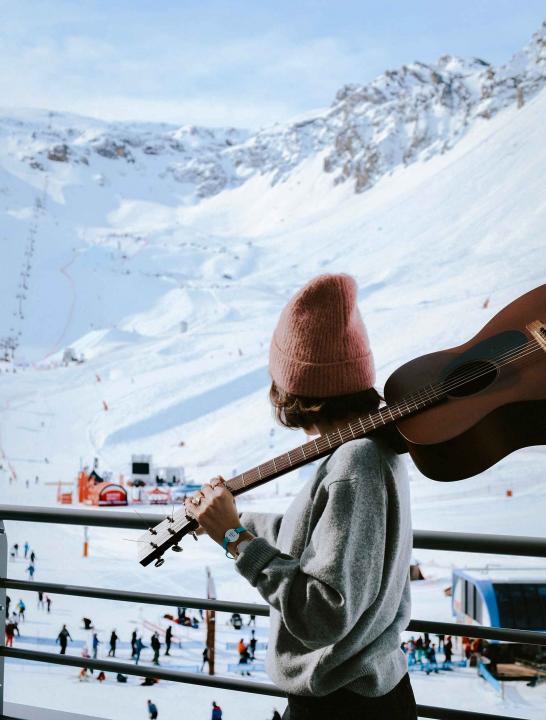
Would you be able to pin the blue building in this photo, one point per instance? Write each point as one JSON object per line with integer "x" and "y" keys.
{"x": 500, "y": 597}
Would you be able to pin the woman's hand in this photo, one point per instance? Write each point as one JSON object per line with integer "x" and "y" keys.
{"x": 214, "y": 509}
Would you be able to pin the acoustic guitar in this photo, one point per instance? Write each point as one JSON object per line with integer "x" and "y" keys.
{"x": 456, "y": 411}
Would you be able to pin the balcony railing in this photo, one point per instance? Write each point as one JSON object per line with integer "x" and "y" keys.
{"x": 467, "y": 542}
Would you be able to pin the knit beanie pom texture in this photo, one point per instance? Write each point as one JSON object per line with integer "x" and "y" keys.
{"x": 320, "y": 347}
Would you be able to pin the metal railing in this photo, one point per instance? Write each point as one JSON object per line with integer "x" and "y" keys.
{"x": 467, "y": 542}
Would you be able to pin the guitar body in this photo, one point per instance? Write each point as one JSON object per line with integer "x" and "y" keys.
{"x": 500, "y": 408}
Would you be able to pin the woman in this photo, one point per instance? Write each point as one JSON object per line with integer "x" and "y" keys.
{"x": 335, "y": 567}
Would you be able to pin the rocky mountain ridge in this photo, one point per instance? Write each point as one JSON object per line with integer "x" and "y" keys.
{"x": 402, "y": 116}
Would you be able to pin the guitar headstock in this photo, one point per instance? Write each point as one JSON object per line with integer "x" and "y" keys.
{"x": 166, "y": 534}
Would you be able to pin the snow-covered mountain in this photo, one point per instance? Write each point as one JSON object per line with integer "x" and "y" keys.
{"x": 164, "y": 254}
{"x": 403, "y": 115}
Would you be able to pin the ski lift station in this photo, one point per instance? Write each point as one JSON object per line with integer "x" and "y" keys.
{"x": 500, "y": 597}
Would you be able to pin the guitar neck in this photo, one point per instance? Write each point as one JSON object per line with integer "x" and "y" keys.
{"x": 326, "y": 444}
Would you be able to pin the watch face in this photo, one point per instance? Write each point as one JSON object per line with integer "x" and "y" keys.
{"x": 231, "y": 535}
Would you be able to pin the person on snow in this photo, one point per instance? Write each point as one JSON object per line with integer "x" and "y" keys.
{"x": 252, "y": 645}
{"x": 133, "y": 643}
{"x": 168, "y": 639}
{"x": 21, "y": 608}
{"x": 152, "y": 710}
{"x": 31, "y": 570}
{"x": 32, "y": 556}
{"x": 205, "y": 658}
{"x": 8, "y": 602}
{"x": 448, "y": 650}
{"x": 11, "y": 630}
{"x": 216, "y": 711}
{"x": 101, "y": 677}
{"x": 62, "y": 639}
{"x": 40, "y": 600}
{"x": 87, "y": 623}
{"x": 139, "y": 647}
{"x": 431, "y": 657}
{"x": 48, "y": 603}
{"x": 113, "y": 640}
{"x": 156, "y": 647}
{"x": 26, "y": 548}
{"x": 95, "y": 643}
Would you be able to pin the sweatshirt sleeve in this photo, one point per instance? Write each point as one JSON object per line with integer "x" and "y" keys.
{"x": 322, "y": 594}
{"x": 265, "y": 525}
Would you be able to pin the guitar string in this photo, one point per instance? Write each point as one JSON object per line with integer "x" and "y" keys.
{"x": 508, "y": 357}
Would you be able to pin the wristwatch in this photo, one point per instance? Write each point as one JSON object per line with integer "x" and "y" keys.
{"x": 230, "y": 536}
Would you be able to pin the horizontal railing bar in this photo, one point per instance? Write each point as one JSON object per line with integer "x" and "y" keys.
{"x": 422, "y": 539}
{"x": 137, "y": 597}
{"x": 426, "y": 711}
{"x": 529, "y": 637}
{"x": 143, "y": 671}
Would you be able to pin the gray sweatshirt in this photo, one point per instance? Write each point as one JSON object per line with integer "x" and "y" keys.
{"x": 335, "y": 571}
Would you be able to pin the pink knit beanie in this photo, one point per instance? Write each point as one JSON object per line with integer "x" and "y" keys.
{"x": 320, "y": 347}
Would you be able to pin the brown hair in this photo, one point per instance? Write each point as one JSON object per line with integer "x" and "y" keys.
{"x": 296, "y": 411}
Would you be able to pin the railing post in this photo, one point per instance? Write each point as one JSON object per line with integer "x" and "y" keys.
{"x": 3, "y": 574}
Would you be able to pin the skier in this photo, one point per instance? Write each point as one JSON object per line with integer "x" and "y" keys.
{"x": 21, "y": 608}
{"x": 152, "y": 710}
{"x": 168, "y": 639}
{"x": 139, "y": 647}
{"x": 8, "y": 602}
{"x": 205, "y": 658}
{"x": 31, "y": 570}
{"x": 40, "y": 600}
{"x": 96, "y": 643}
{"x": 48, "y": 603}
{"x": 26, "y": 548}
{"x": 113, "y": 640}
{"x": 252, "y": 620}
{"x": 32, "y": 556}
{"x": 133, "y": 643}
{"x": 62, "y": 639}
{"x": 101, "y": 676}
{"x": 216, "y": 711}
{"x": 15, "y": 549}
{"x": 156, "y": 647}
{"x": 87, "y": 623}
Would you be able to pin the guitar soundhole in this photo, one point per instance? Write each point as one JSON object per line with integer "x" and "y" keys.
{"x": 470, "y": 378}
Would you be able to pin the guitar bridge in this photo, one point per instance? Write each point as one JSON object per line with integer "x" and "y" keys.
{"x": 538, "y": 331}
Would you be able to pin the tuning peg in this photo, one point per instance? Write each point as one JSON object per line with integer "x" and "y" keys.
{"x": 159, "y": 562}
{"x": 171, "y": 531}
{"x": 152, "y": 531}
{"x": 176, "y": 548}
{"x": 170, "y": 518}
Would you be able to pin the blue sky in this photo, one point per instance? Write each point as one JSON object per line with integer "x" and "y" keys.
{"x": 243, "y": 63}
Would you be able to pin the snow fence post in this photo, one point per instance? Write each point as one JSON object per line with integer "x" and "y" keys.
{"x": 3, "y": 576}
